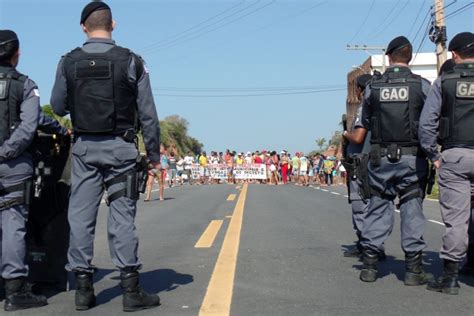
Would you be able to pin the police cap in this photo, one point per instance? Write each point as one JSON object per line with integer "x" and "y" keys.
{"x": 92, "y": 7}
{"x": 462, "y": 41}
{"x": 363, "y": 80}
{"x": 7, "y": 36}
{"x": 397, "y": 43}
{"x": 448, "y": 65}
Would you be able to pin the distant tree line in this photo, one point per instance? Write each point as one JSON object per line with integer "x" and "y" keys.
{"x": 174, "y": 133}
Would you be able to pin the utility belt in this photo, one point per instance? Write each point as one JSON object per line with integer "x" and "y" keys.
{"x": 451, "y": 146}
{"x": 135, "y": 182}
{"x": 394, "y": 152}
{"x": 130, "y": 135}
{"x": 25, "y": 199}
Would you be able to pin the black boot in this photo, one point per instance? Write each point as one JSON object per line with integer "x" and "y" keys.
{"x": 134, "y": 297}
{"x": 2, "y": 289}
{"x": 369, "y": 271}
{"x": 414, "y": 274}
{"x": 468, "y": 268}
{"x": 19, "y": 296}
{"x": 448, "y": 282}
{"x": 85, "y": 297}
{"x": 355, "y": 252}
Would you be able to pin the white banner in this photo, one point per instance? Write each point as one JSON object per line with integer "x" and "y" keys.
{"x": 245, "y": 172}
{"x": 257, "y": 171}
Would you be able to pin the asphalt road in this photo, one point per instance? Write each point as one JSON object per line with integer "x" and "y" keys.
{"x": 277, "y": 251}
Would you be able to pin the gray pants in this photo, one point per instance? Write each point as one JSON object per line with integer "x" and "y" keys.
{"x": 13, "y": 219}
{"x": 390, "y": 179}
{"x": 471, "y": 224}
{"x": 97, "y": 159}
{"x": 360, "y": 207}
{"x": 456, "y": 176}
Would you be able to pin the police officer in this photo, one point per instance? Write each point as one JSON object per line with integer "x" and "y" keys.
{"x": 106, "y": 89}
{"x": 19, "y": 116}
{"x": 391, "y": 108}
{"x": 448, "y": 118}
{"x": 468, "y": 268}
{"x": 356, "y": 165}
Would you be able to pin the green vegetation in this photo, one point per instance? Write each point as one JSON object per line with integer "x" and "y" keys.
{"x": 174, "y": 132}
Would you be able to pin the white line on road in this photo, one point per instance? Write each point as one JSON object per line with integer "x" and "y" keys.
{"x": 324, "y": 190}
{"x": 335, "y": 193}
{"x": 435, "y": 222}
{"x": 346, "y": 196}
{"x": 430, "y": 220}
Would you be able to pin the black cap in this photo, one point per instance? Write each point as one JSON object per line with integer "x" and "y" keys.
{"x": 7, "y": 36}
{"x": 448, "y": 65}
{"x": 462, "y": 41}
{"x": 363, "y": 80}
{"x": 92, "y": 7}
{"x": 397, "y": 43}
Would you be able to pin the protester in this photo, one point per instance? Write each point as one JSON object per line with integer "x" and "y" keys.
{"x": 295, "y": 162}
{"x": 304, "y": 170}
{"x": 203, "y": 170}
{"x": 173, "y": 169}
{"x": 188, "y": 164}
{"x": 284, "y": 167}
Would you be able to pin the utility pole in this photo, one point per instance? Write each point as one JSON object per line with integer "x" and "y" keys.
{"x": 439, "y": 34}
{"x": 370, "y": 48}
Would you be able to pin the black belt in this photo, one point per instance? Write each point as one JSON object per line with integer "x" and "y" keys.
{"x": 412, "y": 151}
{"x": 16, "y": 200}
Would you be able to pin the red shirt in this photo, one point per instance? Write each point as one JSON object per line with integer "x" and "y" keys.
{"x": 258, "y": 160}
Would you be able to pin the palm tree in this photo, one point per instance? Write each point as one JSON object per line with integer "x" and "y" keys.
{"x": 321, "y": 141}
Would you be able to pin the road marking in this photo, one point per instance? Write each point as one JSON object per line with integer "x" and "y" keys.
{"x": 324, "y": 190}
{"x": 218, "y": 297}
{"x": 231, "y": 197}
{"x": 430, "y": 220}
{"x": 435, "y": 222}
{"x": 228, "y": 216}
{"x": 238, "y": 187}
{"x": 335, "y": 193}
{"x": 346, "y": 196}
{"x": 209, "y": 235}
{"x": 318, "y": 188}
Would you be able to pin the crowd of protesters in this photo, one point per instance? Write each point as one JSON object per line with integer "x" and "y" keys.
{"x": 282, "y": 168}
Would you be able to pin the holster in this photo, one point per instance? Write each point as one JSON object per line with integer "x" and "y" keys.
{"x": 362, "y": 173}
{"x": 375, "y": 155}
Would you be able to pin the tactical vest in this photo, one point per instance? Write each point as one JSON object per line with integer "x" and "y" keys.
{"x": 457, "y": 112}
{"x": 11, "y": 96}
{"x": 396, "y": 101}
{"x": 101, "y": 99}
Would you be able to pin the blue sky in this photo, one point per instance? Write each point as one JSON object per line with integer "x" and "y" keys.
{"x": 252, "y": 44}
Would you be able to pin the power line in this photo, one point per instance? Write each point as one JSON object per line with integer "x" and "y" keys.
{"x": 421, "y": 25}
{"x": 425, "y": 36}
{"x": 193, "y": 27}
{"x": 365, "y": 21}
{"x": 459, "y": 11}
{"x": 417, "y": 17}
{"x": 278, "y": 21}
{"x": 394, "y": 17}
{"x": 249, "y": 95}
{"x": 446, "y": 6}
{"x": 391, "y": 11}
{"x": 203, "y": 25}
{"x": 250, "y": 89}
{"x": 186, "y": 38}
